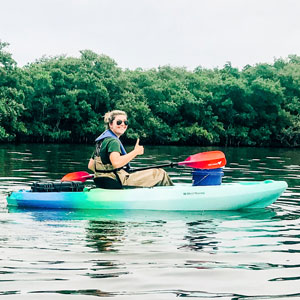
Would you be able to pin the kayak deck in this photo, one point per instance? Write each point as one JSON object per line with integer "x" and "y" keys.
{"x": 227, "y": 196}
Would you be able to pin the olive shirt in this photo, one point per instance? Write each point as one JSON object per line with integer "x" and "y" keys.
{"x": 144, "y": 178}
{"x": 108, "y": 146}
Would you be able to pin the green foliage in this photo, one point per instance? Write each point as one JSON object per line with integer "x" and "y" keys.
{"x": 11, "y": 98}
{"x": 63, "y": 99}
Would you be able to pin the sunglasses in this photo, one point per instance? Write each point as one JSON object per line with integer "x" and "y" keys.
{"x": 119, "y": 122}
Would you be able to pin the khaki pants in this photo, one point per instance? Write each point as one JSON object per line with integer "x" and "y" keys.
{"x": 145, "y": 178}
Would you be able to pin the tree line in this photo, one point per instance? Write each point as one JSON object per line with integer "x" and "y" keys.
{"x": 63, "y": 99}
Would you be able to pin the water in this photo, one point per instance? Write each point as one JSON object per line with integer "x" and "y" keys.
{"x": 149, "y": 255}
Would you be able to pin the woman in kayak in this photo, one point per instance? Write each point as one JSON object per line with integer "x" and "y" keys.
{"x": 111, "y": 162}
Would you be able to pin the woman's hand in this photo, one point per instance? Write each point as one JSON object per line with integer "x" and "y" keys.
{"x": 138, "y": 148}
{"x": 118, "y": 160}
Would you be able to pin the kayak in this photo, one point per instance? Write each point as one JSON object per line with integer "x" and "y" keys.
{"x": 227, "y": 196}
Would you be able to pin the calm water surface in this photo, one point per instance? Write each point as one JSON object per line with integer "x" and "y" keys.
{"x": 52, "y": 254}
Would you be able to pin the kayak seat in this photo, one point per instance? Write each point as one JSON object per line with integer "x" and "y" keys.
{"x": 107, "y": 183}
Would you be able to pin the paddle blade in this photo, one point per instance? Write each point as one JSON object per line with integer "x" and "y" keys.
{"x": 77, "y": 176}
{"x": 205, "y": 160}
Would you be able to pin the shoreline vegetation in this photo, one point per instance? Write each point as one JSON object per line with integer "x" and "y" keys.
{"x": 63, "y": 99}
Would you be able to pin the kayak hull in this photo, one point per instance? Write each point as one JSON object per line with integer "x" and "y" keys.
{"x": 227, "y": 196}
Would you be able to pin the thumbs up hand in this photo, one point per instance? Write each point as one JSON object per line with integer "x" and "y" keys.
{"x": 138, "y": 148}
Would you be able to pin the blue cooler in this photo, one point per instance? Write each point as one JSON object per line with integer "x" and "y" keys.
{"x": 207, "y": 176}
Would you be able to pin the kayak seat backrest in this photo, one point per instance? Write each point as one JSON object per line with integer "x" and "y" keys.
{"x": 107, "y": 183}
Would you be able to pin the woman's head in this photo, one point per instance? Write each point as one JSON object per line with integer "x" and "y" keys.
{"x": 116, "y": 121}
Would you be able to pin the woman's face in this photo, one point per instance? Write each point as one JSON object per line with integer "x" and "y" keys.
{"x": 119, "y": 125}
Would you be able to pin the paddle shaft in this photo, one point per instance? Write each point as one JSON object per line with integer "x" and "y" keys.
{"x": 154, "y": 167}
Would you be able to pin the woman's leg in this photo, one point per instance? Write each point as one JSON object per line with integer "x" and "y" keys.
{"x": 148, "y": 178}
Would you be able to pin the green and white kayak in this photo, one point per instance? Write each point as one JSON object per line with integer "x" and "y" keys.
{"x": 227, "y": 196}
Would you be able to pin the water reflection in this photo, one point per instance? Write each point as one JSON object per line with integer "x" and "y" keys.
{"x": 88, "y": 292}
{"x": 104, "y": 235}
{"x": 120, "y": 246}
{"x": 210, "y": 232}
{"x": 200, "y": 236}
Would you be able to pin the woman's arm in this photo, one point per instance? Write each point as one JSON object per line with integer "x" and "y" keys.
{"x": 117, "y": 160}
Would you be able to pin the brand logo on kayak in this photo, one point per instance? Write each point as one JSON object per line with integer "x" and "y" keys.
{"x": 193, "y": 193}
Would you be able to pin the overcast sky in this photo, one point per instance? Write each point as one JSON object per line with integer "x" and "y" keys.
{"x": 152, "y": 33}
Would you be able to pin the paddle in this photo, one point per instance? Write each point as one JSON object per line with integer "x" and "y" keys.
{"x": 203, "y": 160}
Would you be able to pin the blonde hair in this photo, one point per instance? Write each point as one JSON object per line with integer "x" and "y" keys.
{"x": 111, "y": 115}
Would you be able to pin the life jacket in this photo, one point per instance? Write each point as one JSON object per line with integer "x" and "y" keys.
{"x": 109, "y": 134}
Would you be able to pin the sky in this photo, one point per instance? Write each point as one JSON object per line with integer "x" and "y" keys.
{"x": 151, "y": 33}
